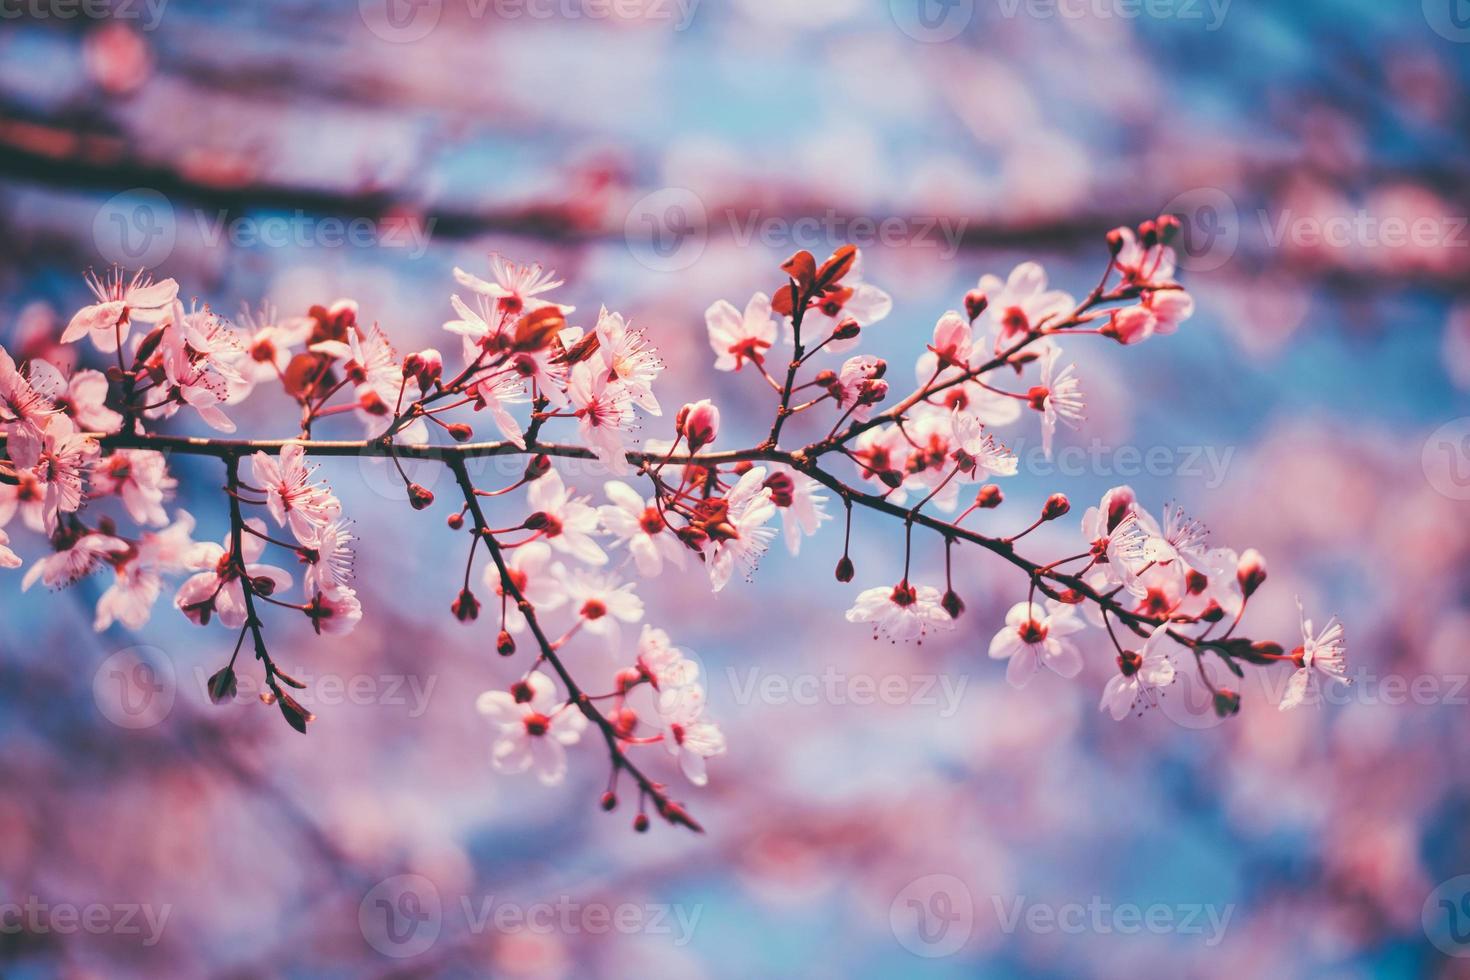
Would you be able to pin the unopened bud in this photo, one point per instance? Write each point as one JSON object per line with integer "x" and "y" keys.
{"x": 844, "y": 569}
{"x": 1148, "y": 233}
{"x": 262, "y": 586}
{"x": 456, "y": 521}
{"x": 847, "y": 329}
{"x": 504, "y": 644}
{"x": 1056, "y": 505}
{"x": 624, "y": 720}
{"x": 424, "y": 366}
{"x": 1169, "y": 227}
{"x": 952, "y": 604}
{"x": 1250, "y": 572}
{"x": 466, "y": 607}
{"x": 419, "y": 497}
{"x": 1071, "y": 597}
{"x": 1227, "y": 702}
{"x": 609, "y": 800}
{"x": 460, "y": 432}
{"x": 699, "y": 422}
{"x": 989, "y": 496}
{"x": 975, "y": 303}
{"x": 891, "y": 479}
{"x": 640, "y": 823}
{"x": 1116, "y": 238}
{"x": 536, "y": 521}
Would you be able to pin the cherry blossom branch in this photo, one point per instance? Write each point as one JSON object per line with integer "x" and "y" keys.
{"x": 667, "y": 808}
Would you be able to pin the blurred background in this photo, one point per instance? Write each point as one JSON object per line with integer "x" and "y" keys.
{"x": 659, "y": 154}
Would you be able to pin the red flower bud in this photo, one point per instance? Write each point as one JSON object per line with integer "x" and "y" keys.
{"x": 1250, "y": 572}
{"x": 952, "y": 604}
{"x": 975, "y": 303}
{"x": 698, "y": 422}
{"x": 456, "y": 521}
{"x": 466, "y": 607}
{"x": 1227, "y": 702}
{"x": 424, "y": 366}
{"x": 460, "y": 432}
{"x": 844, "y": 569}
{"x": 536, "y": 521}
{"x": 1148, "y": 233}
{"x": 640, "y": 823}
{"x": 537, "y": 467}
{"x": 504, "y": 644}
{"x": 609, "y": 800}
{"x": 419, "y": 497}
{"x": 1056, "y": 505}
{"x": 847, "y": 329}
{"x": 989, "y": 496}
{"x": 1115, "y": 241}
{"x": 1169, "y": 227}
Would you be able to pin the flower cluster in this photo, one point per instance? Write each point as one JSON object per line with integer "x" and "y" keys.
{"x": 562, "y": 563}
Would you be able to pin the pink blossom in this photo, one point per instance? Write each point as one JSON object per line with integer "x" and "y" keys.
{"x": 56, "y": 459}
{"x": 687, "y": 735}
{"x": 903, "y": 612}
{"x": 1020, "y": 304}
{"x": 1322, "y": 654}
{"x": 532, "y": 733}
{"x": 140, "y": 477}
{"x": 743, "y": 536}
{"x": 637, "y": 523}
{"x": 629, "y": 359}
{"x": 517, "y": 288}
{"x": 1140, "y": 675}
{"x": 569, "y": 522}
{"x": 76, "y": 558}
{"x": 603, "y": 413}
{"x": 1035, "y": 635}
{"x": 739, "y": 337}
{"x": 1058, "y": 398}
{"x": 119, "y": 303}
{"x": 216, "y": 588}
{"x": 535, "y": 577}
{"x": 291, "y": 495}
